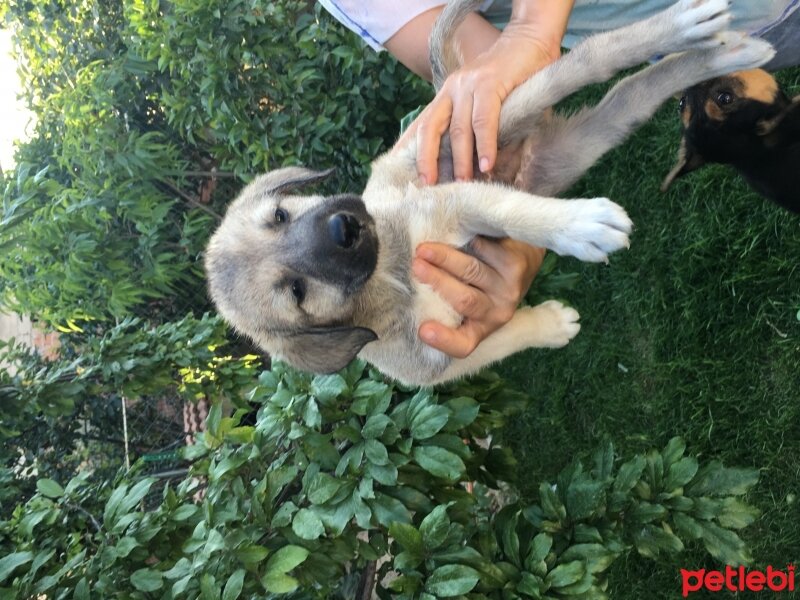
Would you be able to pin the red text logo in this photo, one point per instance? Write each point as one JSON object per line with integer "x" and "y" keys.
{"x": 738, "y": 580}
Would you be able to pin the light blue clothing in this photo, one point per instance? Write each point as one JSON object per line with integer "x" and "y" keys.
{"x": 777, "y": 21}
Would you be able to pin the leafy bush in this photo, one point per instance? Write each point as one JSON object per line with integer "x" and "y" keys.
{"x": 346, "y": 482}
{"x": 143, "y": 120}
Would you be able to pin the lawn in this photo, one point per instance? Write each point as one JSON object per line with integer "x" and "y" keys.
{"x": 694, "y": 332}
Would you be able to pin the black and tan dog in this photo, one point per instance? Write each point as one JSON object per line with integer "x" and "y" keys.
{"x": 745, "y": 120}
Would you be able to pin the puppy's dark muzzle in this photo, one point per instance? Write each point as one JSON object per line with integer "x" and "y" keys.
{"x": 344, "y": 229}
{"x": 336, "y": 243}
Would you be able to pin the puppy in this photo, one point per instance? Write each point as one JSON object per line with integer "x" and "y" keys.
{"x": 745, "y": 120}
{"x": 316, "y": 281}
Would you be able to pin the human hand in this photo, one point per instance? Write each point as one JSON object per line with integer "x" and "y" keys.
{"x": 484, "y": 290}
{"x": 468, "y": 105}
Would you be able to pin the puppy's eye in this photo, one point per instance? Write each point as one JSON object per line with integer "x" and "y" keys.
{"x": 299, "y": 290}
{"x": 724, "y": 98}
{"x": 281, "y": 216}
{"x": 682, "y": 104}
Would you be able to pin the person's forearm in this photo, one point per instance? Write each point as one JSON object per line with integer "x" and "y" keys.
{"x": 410, "y": 44}
{"x": 544, "y": 21}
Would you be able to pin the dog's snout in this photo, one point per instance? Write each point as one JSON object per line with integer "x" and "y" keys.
{"x": 344, "y": 229}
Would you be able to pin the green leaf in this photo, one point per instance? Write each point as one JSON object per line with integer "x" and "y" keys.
{"x": 439, "y": 462}
{"x": 736, "y": 514}
{"x": 651, "y": 541}
{"x": 687, "y": 526}
{"x": 375, "y": 426}
{"x": 629, "y": 475}
{"x": 452, "y": 580}
{"x": 233, "y": 587}
{"x": 376, "y": 452}
{"x": 307, "y": 525}
{"x": 279, "y": 583}
{"x": 434, "y": 528}
{"x": 565, "y": 574}
{"x": 596, "y": 556}
{"x": 673, "y": 451}
{"x": 322, "y": 488}
{"x": 251, "y": 554}
{"x": 551, "y": 504}
{"x": 530, "y": 585}
{"x": 408, "y": 537}
{"x": 147, "y": 580}
{"x": 388, "y": 510}
{"x": 539, "y": 548}
{"x": 286, "y": 559}
{"x": 81, "y": 590}
{"x": 463, "y": 411}
{"x": 680, "y": 473}
{"x": 12, "y": 561}
{"x": 49, "y": 488}
{"x": 725, "y": 546}
{"x": 716, "y": 480}
{"x": 428, "y": 421}
{"x": 328, "y": 387}
{"x": 584, "y": 498}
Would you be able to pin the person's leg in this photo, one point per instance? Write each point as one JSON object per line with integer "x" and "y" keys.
{"x": 785, "y": 38}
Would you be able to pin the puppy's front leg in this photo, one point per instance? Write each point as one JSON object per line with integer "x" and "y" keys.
{"x": 586, "y": 229}
{"x": 548, "y": 325}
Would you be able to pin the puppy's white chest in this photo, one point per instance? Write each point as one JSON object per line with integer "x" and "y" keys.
{"x": 430, "y": 306}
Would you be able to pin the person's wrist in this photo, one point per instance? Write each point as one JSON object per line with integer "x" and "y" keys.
{"x": 533, "y": 40}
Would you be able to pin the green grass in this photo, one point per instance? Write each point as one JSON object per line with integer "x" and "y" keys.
{"x": 694, "y": 332}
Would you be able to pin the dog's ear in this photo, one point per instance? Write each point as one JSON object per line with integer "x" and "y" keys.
{"x": 326, "y": 350}
{"x": 290, "y": 178}
{"x": 688, "y": 160}
{"x": 783, "y": 128}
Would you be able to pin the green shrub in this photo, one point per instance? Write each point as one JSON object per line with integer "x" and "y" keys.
{"x": 144, "y": 120}
{"x": 341, "y": 471}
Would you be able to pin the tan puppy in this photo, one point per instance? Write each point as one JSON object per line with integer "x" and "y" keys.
{"x": 316, "y": 281}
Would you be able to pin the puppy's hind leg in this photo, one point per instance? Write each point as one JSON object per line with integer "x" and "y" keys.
{"x": 547, "y": 325}
{"x": 567, "y": 148}
{"x": 686, "y": 24}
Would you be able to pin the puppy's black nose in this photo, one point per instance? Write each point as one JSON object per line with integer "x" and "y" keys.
{"x": 344, "y": 229}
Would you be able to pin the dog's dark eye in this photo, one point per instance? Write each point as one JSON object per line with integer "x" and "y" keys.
{"x": 299, "y": 290}
{"x": 724, "y": 98}
{"x": 682, "y": 104}
{"x": 281, "y": 216}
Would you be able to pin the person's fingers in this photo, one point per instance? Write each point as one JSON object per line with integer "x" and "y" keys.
{"x": 466, "y": 300}
{"x": 458, "y": 343}
{"x": 460, "y": 265}
{"x": 462, "y": 138}
{"x": 432, "y": 124}
{"x": 485, "y": 125}
{"x": 504, "y": 256}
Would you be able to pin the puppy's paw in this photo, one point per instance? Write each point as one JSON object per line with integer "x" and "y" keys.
{"x": 739, "y": 52}
{"x": 554, "y": 324}
{"x": 696, "y": 23}
{"x": 592, "y": 230}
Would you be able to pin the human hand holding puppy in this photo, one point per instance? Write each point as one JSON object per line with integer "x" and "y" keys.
{"x": 485, "y": 289}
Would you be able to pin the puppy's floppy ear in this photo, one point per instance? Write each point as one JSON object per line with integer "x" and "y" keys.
{"x": 290, "y": 178}
{"x": 688, "y": 160}
{"x": 326, "y": 350}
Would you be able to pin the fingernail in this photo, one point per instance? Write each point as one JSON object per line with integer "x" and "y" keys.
{"x": 484, "y": 164}
{"x": 422, "y": 180}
